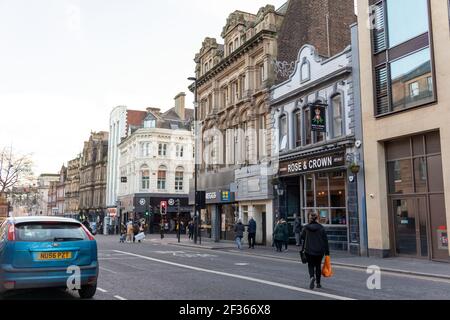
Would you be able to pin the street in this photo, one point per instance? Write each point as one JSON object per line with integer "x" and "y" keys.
{"x": 159, "y": 271}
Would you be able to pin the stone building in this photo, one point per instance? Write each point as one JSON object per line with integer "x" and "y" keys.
{"x": 43, "y": 184}
{"x": 156, "y": 162}
{"x": 72, "y": 190}
{"x": 232, "y": 85}
{"x": 92, "y": 202}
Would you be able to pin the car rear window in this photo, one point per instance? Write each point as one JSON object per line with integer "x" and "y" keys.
{"x": 49, "y": 232}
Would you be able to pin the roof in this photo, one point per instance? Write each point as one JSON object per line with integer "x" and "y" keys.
{"x": 40, "y": 219}
{"x": 283, "y": 8}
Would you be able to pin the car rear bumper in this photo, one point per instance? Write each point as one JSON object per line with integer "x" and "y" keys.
{"x": 30, "y": 278}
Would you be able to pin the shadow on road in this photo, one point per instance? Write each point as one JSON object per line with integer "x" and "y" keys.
{"x": 40, "y": 294}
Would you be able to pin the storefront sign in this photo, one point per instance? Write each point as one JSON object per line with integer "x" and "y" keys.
{"x": 312, "y": 164}
{"x": 318, "y": 118}
{"x": 211, "y": 196}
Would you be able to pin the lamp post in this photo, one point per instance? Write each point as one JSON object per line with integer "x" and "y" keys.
{"x": 195, "y": 160}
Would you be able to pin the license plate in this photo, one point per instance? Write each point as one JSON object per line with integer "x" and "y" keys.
{"x": 54, "y": 255}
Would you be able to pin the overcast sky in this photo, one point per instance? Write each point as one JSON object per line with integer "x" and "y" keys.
{"x": 65, "y": 64}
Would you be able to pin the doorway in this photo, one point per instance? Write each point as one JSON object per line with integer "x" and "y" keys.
{"x": 410, "y": 217}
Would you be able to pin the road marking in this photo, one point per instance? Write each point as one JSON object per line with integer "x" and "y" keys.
{"x": 241, "y": 264}
{"x": 108, "y": 270}
{"x": 101, "y": 290}
{"x": 231, "y": 275}
{"x": 120, "y": 298}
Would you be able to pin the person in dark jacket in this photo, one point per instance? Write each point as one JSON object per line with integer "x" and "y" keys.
{"x": 285, "y": 241}
{"x": 279, "y": 236}
{"x": 239, "y": 229}
{"x": 251, "y": 233}
{"x": 191, "y": 230}
{"x": 297, "y": 230}
{"x": 315, "y": 246}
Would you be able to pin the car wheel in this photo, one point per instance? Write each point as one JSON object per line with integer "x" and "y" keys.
{"x": 88, "y": 291}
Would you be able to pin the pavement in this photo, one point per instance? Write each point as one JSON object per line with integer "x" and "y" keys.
{"x": 165, "y": 270}
{"x": 418, "y": 267}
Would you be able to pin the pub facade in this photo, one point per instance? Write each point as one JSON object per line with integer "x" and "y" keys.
{"x": 318, "y": 146}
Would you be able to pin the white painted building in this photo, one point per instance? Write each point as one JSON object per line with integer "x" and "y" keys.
{"x": 43, "y": 188}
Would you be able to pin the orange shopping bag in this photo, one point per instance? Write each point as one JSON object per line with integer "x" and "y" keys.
{"x": 327, "y": 271}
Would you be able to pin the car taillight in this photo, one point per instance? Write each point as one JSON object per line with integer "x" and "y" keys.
{"x": 90, "y": 236}
{"x": 11, "y": 233}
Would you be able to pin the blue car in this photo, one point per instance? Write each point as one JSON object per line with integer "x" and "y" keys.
{"x": 47, "y": 252}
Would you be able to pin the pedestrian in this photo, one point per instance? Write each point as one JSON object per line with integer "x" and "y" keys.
{"x": 278, "y": 236}
{"x": 239, "y": 233}
{"x": 162, "y": 229}
{"x": 141, "y": 230}
{"x": 87, "y": 225}
{"x": 285, "y": 226}
{"x": 191, "y": 230}
{"x": 135, "y": 231}
{"x": 297, "y": 230}
{"x": 315, "y": 246}
{"x": 129, "y": 231}
{"x": 182, "y": 228}
{"x": 251, "y": 233}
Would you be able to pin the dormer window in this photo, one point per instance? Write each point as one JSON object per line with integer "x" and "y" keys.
{"x": 150, "y": 122}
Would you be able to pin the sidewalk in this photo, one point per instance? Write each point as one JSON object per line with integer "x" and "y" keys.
{"x": 413, "y": 267}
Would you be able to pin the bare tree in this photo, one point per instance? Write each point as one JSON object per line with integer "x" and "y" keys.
{"x": 14, "y": 168}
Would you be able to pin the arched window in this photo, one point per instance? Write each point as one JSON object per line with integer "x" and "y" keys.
{"x": 162, "y": 176}
{"x": 179, "y": 177}
{"x": 305, "y": 71}
{"x": 283, "y": 132}
{"x": 145, "y": 178}
{"x": 338, "y": 119}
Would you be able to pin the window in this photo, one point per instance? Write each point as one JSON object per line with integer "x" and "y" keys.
{"x": 403, "y": 74}
{"x": 298, "y": 128}
{"x": 262, "y": 75}
{"x": 162, "y": 149}
{"x": 413, "y": 89}
{"x": 150, "y": 123}
{"x": 283, "y": 133}
{"x": 262, "y": 148}
{"x": 179, "y": 151}
{"x": 224, "y": 97}
{"x": 179, "y": 174}
{"x": 338, "y": 120}
{"x": 236, "y": 43}
{"x": 305, "y": 71}
{"x": 242, "y": 86}
{"x": 162, "y": 173}
{"x": 307, "y": 126}
{"x": 146, "y": 149}
{"x": 230, "y": 48}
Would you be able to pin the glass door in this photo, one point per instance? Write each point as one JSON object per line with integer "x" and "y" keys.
{"x": 410, "y": 222}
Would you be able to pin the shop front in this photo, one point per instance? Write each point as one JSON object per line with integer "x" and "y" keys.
{"x": 318, "y": 183}
{"x": 220, "y": 215}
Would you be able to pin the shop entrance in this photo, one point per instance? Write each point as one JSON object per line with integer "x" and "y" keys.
{"x": 416, "y": 197}
{"x": 410, "y": 223}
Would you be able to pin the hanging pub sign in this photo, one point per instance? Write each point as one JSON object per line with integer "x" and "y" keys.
{"x": 317, "y": 163}
{"x": 318, "y": 118}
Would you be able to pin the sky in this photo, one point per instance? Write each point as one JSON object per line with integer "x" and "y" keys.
{"x": 65, "y": 64}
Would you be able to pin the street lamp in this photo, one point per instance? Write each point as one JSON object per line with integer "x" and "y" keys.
{"x": 195, "y": 159}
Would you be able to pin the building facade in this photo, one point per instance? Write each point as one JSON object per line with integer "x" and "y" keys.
{"x": 43, "y": 183}
{"x": 120, "y": 122}
{"x": 72, "y": 190}
{"x": 92, "y": 202}
{"x": 405, "y": 76}
{"x": 156, "y": 162}
{"x": 61, "y": 192}
{"x": 233, "y": 81}
{"x": 317, "y": 140}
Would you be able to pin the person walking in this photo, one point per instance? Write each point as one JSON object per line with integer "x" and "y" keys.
{"x": 129, "y": 231}
{"x": 191, "y": 230}
{"x": 285, "y": 234}
{"x": 297, "y": 229}
{"x": 251, "y": 233}
{"x": 315, "y": 246}
{"x": 278, "y": 236}
{"x": 239, "y": 233}
{"x": 135, "y": 231}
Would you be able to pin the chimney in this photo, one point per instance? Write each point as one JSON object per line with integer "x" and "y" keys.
{"x": 180, "y": 105}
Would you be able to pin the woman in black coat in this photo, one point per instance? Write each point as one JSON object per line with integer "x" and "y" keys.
{"x": 315, "y": 246}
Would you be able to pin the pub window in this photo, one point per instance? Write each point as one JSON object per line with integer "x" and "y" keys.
{"x": 401, "y": 45}
{"x": 162, "y": 149}
{"x": 338, "y": 119}
{"x": 298, "y": 128}
{"x": 283, "y": 133}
